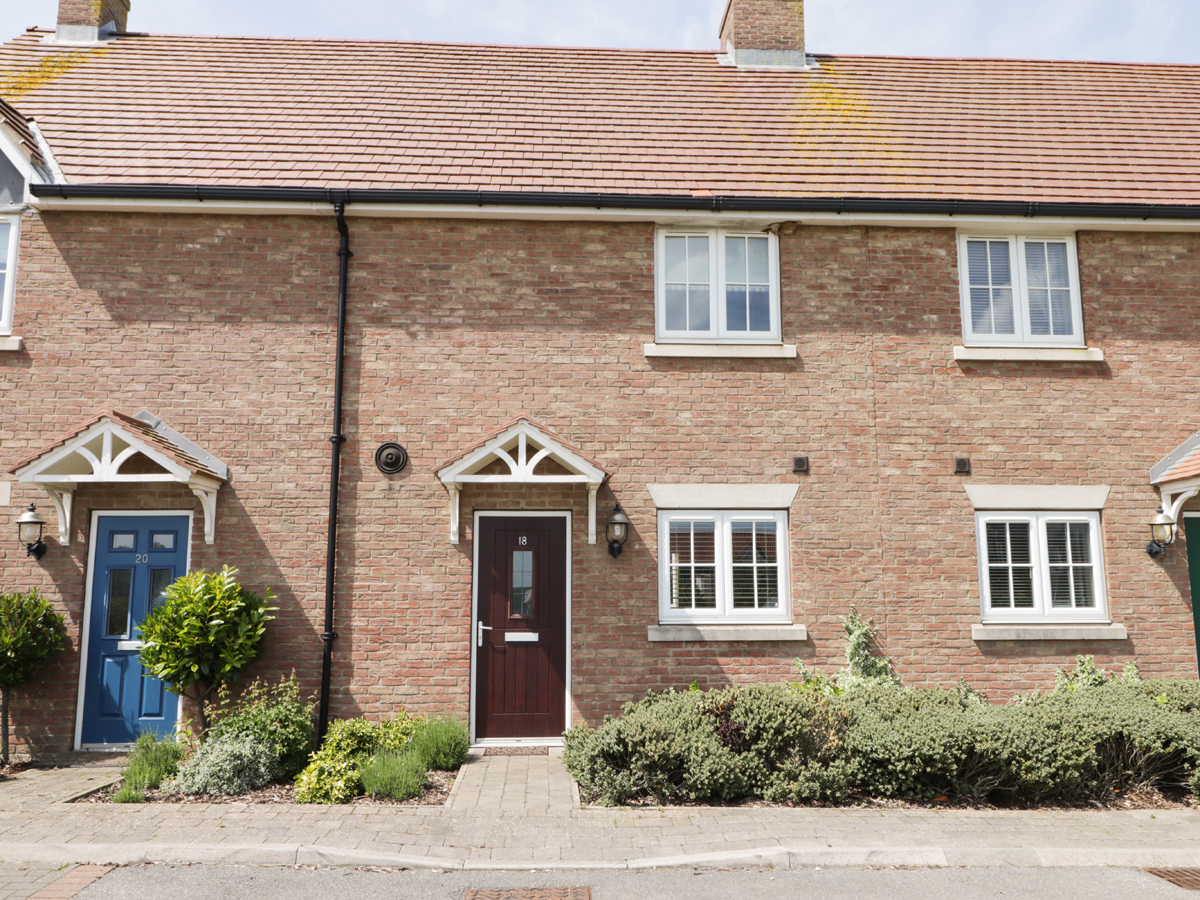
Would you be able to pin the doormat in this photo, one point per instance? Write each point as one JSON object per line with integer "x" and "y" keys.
{"x": 1188, "y": 879}
{"x": 564, "y": 893}
{"x": 516, "y": 751}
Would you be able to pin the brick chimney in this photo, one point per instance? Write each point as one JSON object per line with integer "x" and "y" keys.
{"x": 90, "y": 20}
{"x": 764, "y": 33}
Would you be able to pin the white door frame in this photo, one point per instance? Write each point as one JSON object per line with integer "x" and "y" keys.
{"x": 87, "y": 602}
{"x": 525, "y": 514}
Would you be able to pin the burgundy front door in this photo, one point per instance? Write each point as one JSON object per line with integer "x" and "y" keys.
{"x": 521, "y": 634}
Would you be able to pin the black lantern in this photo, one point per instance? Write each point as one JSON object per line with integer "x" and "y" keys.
{"x": 29, "y": 532}
{"x": 616, "y": 529}
{"x": 1162, "y": 533}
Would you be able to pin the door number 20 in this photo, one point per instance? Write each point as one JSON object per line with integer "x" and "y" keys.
{"x": 141, "y": 557}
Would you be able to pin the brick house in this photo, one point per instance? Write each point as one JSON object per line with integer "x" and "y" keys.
{"x": 916, "y": 336}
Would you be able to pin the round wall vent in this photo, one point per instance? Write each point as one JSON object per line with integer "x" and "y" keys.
{"x": 391, "y": 458}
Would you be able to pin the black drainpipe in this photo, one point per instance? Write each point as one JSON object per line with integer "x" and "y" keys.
{"x": 336, "y": 439}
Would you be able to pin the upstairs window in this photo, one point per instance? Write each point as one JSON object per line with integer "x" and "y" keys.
{"x": 1040, "y": 567}
{"x": 1020, "y": 290}
{"x": 714, "y": 285}
{"x": 8, "y": 264}
{"x": 723, "y": 567}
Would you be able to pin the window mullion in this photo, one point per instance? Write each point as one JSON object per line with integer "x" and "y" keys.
{"x": 717, "y": 295}
{"x": 1020, "y": 290}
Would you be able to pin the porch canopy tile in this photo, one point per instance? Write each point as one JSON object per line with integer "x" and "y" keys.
{"x": 1177, "y": 475}
{"x": 112, "y": 447}
{"x": 524, "y": 452}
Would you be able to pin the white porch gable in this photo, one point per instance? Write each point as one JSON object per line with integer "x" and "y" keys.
{"x": 112, "y": 447}
{"x": 524, "y": 447}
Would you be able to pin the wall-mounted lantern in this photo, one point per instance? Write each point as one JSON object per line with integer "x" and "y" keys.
{"x": 616, "y": 529}
{"x": 29, "y": 532}
{"x": 1162, "y": 534}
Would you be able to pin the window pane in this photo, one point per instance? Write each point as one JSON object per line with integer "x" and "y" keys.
{"x": 123, "y": 541}
{"x": 681, "y": 542}
{"x": 760, "y": 308}
{"x": 697, "y": 260}
{"x": 675, "y": 318}
{"x": 1085, "y": 591}
{"x": 705, "y": 538}
{"x": 120, "y": 585}
{"x": 743, "y": 542}
{"x": 998, "y": 257}
{"x": 698, "y": 309}
{"x": 693, "y": 586}
{"x": 1039, "y": 312}
{"x": 977, "y": 263}
{"x": 1056, "y": 542}
{"x": 735, "y": 260}
{"x": 998, "y": 588}
{"x": 735, "y": 307}
{"x": 1035, "y": 265}
{"x": 677, "y": 259}
{"x": 981, "y": 311}
{"x": 705, "y": 587}
{"x": 1022, "y": 578}
{"x": 1060, "y": 312}
{"x": 768, "y": 587}
{"x": 1060, "y": 586}
{"x": 1081, "y": 546}
{"x": 997, "y": 543}
{"x": 765, "y": 541}
{"x": 1002, "y": 312}
{"x": 160, "y": 580}
{"x": 759, "y": 260}
{"x": 743, "y": 587}
{"x": 522, "y": 583}
{"x": 681, "y": 588}
{"x": 162, "y": 541}
{"x": 1060, "y": 277}
{"x": 1018, "y": 536}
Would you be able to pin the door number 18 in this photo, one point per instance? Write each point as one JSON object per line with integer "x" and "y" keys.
{"x": 522, "y": 540}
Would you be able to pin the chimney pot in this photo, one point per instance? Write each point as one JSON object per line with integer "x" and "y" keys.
{"x": 764, "y": 33}
{"x": 91, "y": 20}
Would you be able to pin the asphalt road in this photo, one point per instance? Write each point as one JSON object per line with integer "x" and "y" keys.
{"x": 196, "y": 882}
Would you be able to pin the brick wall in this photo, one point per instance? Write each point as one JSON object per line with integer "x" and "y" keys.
{"x": 225, "y": 328}
{"x": 94, "y": 13}
{"x": 764, "y": 25}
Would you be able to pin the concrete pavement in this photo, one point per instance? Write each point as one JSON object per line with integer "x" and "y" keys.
{"x": 520, "y": 812}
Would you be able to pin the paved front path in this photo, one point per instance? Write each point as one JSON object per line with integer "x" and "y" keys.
{"x": 489, "y": 824}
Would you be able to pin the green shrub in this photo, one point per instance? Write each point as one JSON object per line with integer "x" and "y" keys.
{"x": 334, "y": 773}
{"x": 271, "y": 714}
{"x": 31, "y": 633}
{"x": 202, "y": 636}
{"x": 231, "y": 765}
{"x": 151, "y": 761}
{"x": 442, "y": 744}
{"x": 395, "y": 775}
{"x": 127, "y": 793}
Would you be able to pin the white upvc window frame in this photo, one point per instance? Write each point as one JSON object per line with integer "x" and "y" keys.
{"x": 724, "y": 613}
{"x": 1020, "y": 287}
{"x": 718, "y": 333}
{"x": 9, "y": 255}
{"x": 1042, "y": 611}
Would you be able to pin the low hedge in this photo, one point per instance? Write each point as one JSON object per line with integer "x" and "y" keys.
{"x": 1090, "y": 738}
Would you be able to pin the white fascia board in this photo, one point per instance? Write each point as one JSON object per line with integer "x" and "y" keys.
{"x": 56, "y": 172}
{"x": 1006, "y": 224}
{"x": 723, "y": 496}
{"x": 1039, "y": 497}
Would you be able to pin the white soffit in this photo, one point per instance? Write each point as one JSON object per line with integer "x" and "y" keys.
{"x": 723, "y": 496}
{"x": 1055, "y": 497}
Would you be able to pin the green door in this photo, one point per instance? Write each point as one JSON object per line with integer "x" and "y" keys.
{"x": 1192, "y": 533}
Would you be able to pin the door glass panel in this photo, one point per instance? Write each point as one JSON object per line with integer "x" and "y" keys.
{"x": 120, "y": 583}
{"x": 162, "y": 541}
{"x": 160, "y": 580}
{"x": 522, "y": 583}
{"x": 123, "y": 541}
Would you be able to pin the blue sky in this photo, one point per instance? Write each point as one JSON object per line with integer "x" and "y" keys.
{"x": 1128, "y": 30}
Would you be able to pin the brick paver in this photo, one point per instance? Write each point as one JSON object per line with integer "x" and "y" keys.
{"x": 519, "y": 811}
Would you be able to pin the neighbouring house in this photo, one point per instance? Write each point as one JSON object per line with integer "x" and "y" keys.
{"x": 914, "y": 336}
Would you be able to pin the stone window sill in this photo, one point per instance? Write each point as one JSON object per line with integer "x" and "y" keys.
{"x": 657, "y": 633}
{"x": 1055, "y": 632}
{"x": 12, "y": 344}
{"x": 1029, "y": 354}
{"x": 721, "y": 351}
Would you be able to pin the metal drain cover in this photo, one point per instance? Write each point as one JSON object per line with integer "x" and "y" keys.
{"x": 1188, "y": 879}
{"x": 562, "y": 893}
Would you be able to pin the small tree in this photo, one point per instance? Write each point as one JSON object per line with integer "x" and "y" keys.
{"x": 31, "y": 632}
{"x": 202, "y": 636}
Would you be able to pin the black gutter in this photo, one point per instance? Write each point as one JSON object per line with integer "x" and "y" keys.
{"x": 328, "y": 636}
{"x": 782, "y": 205}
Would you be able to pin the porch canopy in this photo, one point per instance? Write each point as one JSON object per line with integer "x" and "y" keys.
{"x": 112, "y": 447}
{"x": 1177, "y": 476}
{"x": 523, "y": 452}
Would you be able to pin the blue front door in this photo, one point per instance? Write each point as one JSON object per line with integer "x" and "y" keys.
{"x": 136, "y": 558}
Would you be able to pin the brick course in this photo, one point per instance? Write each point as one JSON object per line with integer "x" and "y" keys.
{"x": 224, "y": 326}
{"x": 763, "y": 25}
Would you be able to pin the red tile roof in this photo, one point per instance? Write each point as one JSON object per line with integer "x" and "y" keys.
{"x": 543, "y": 428}
{"x": 22, "y": 132}
{"x": 1188, "y": 467}
{"x": 361, "y": 114}
{"x": 137, "y": 428}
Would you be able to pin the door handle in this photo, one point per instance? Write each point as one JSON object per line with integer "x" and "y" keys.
{"x": 482, "y": 629}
